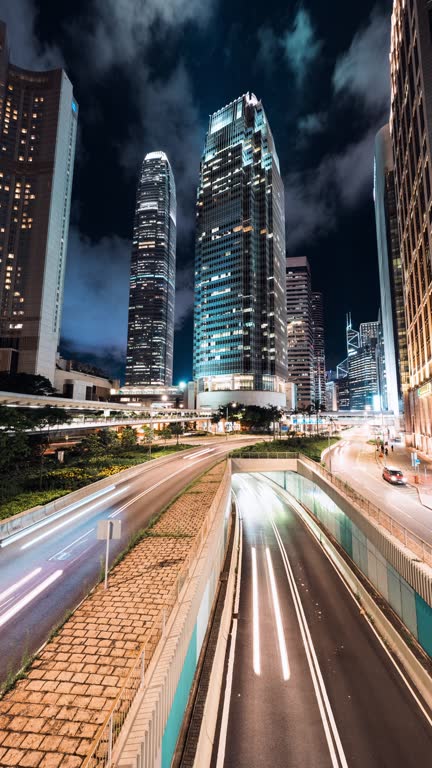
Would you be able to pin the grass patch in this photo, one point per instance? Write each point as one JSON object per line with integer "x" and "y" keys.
{"x": 310, "y": 446}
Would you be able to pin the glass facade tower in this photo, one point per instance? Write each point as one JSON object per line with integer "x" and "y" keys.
{"x": 240, "y": 342}
{"x": 390, "y": 274}
{"x": 300, "y": 329}
{"x": 38, "y": 125}
{"x": 149, "y": 358}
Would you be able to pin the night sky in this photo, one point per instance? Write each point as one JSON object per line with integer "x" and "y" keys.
{"x": 146, "y": 75}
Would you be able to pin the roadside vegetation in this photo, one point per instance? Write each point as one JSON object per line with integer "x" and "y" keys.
{"x": 311, "y": 446}
{"x": 32, "y": 473}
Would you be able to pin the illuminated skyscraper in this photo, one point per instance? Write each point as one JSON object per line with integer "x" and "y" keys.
{"x": 240, "y": 347}
{"x": 152, "y": 276}
{"x": 300, "y": 330}
{"x": 318, "y": 349}
{"x": 390, "y": 274}
{"x": 411, "y": 136}
{"x": 38, "y": 124}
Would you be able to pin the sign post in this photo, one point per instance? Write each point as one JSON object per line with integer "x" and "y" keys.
{"x": 108, "y": 529}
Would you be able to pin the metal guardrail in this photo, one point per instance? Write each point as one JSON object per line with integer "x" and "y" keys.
{"x": 101, "y": 750}
{"x": 418, "y": 546}
{"x": 264, "y": 455}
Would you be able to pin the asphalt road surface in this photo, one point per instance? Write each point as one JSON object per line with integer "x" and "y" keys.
{"x": 47, "y": 571}
{"x": 309, "y": 685}
{"x": 356, "y": 462}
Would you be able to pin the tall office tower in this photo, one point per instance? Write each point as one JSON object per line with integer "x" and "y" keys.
{"x": 240, "y": 314}
{"x": 38, "y": 124}
{"x": 149, "y": 358}
{"x": 363, "y": 366}
{"x": 318, "y": 348}
{"x": 390, "y": 275}
{"x": 411, "y": 134}
{"x": 300, "y": 330}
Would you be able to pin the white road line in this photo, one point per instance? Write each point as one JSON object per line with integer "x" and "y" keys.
{"x": 13, "y": 588}
{"x": 9, "y": 614}
{"x": 327, "y": 717}
{"x": 69, "y": 520}
{"x": 61, "y": 551}
{"x": 255, "y": 615}
{"x": 198, "y": 453}
{"x": 286, "y": 673}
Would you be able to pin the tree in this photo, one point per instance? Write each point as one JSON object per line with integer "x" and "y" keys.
{"x": 128, "y": 439}
{"x": 256, "y": 418}
{"x": 177, "y": 430}
{"x": 41, "y": 420}
{"x": 275, "y": 415}
{"x": 14, "y": 445}
{"x": 148, "y": 436}
{"x": 166, "y": 434}
{"x": 109, "y": 439}
{"x": 26, "y": 384}
{"x": 91, "y": 445}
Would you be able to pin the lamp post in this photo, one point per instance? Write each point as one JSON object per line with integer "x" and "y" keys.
{"x": 226, "y": 417}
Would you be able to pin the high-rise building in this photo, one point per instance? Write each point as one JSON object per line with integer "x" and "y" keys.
{"x": 363, "y": 366}
{"x": 149, "y": 360}
{"x": 318, "y": 348}
{"x": 411, "y": 135}
{"x": 240, "y": 347}
{"x": 300, "y": 330}
{"x": 38, "y": 124}
{"x": 390, "y": 275}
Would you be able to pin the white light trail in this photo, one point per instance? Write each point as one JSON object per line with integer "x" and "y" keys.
{"x": 9, "y": 614}
{"x": 278, "y": 616}
{"x": 49, "y": 519}
{"x": 70, "y": 520}
{"x": 18, "y": 584}
{"x": 255, "y": 616}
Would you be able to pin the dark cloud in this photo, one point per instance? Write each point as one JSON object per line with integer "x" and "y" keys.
{"x": 300, "y": 44}
{"x": 364, "y": 70}
{"x": 26, "y": 50}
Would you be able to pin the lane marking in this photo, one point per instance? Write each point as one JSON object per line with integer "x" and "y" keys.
{"x": 255, "y": 615}
{"x": 327, "y": 717}
{"x": 9, "y": 614}
{"x": 198, "y": 453}
{"x": 18, "y": 584}
{"x": 69, "y": 520}
{"x": 308, "y": 523}
{"x": 61, "y": 551}
{"x": 46, "y": 521}
{"x": 286, "y": 672}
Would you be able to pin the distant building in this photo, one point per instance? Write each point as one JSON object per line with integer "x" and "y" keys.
{"x": 319, "y": 365}
{"x": 300, "y": 332}
{"x": 149, "y": 360}
{"x": 331, "y": 396}
{"x": 363, "y": 366}
{"x": 38, "y": 125}
{"x": 394, "y": 336}
{"x": 240, "y": 346}
{"x": 82, "y": 382}
{"x": 411, "y": 136}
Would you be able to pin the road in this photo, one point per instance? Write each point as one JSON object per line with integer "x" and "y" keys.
{"x": 46, "y": 572}
{"x": 309, "y": 685}
{"x": 357, "y": 462}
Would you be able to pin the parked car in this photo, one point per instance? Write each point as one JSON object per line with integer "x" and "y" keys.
{"x": 394, "y": 476}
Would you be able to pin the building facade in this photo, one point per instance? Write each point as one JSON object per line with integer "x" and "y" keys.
{"x": 390, "y": 275}
{"x": 149, "y": 360}
{"x": 411, "y": 135}
{"x": 363, "y": 378}
{"x": 318, "y": 348}
{"x": 300, "y": 329}
{"x": 240, "y": 347}
{"x": 38, "y": 125}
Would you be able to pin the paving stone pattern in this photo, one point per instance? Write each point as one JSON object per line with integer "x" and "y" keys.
{"x": 51, "y": 717}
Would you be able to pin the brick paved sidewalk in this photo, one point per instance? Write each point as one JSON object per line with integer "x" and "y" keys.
{"x": 51, "y": 717}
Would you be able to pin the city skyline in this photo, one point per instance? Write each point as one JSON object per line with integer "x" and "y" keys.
{"x": 313, "y": 149}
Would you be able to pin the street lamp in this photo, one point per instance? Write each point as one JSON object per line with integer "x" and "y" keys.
{"x": 226, "y": 417}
